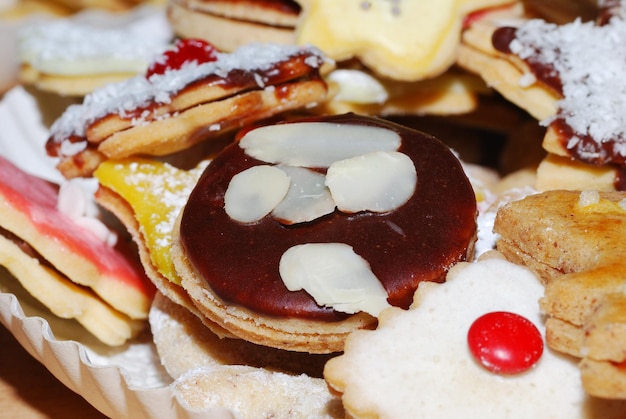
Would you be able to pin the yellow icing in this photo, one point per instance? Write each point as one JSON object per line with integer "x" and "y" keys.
{"x": 404, "y": 39}
{"x": 156, "y": 192}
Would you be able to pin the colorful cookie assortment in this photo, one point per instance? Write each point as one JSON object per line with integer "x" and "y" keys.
{"x": 336, "y": 209}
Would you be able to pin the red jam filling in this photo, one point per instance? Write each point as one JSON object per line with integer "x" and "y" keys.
{"x": 184, "y": 51}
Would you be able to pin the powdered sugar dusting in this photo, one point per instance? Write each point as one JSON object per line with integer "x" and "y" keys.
{"x": 171, "y": 190}
{"x": 590, "y": 62}
{"x": 67, "y": 47}
{"x": 137, "y": 92}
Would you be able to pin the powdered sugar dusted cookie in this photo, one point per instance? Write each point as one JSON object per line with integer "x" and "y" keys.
{"x": 252, "y": 392}
{"x": 184, "y": 343}
{"x": 147, "y": 196}
{"x": 73, "y": 57}
{"x": 415, "y": 357}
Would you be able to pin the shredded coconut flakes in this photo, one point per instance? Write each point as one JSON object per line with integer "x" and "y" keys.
{"x": 590, "y": 61}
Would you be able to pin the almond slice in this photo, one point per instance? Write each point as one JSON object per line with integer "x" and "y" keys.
{"x": 316, "y": 144}
{"x": 255, "y": 192}
{"x": 335, "y": 276}
{"x": 307, "y": 197}
{"x": 378, "y": 182}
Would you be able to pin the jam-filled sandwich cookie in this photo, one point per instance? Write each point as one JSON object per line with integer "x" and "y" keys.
{"x": 302, "y": 232}
{"x": 72, "y": 58}
{"x": 229, "y": 24}
{"x": 188, "y": 95}
{"x": 403, "y": 40}
{"x": 574, "y": 241}
{"x": 68, "y": 259}
{"x": 568, "y": 77}
{"x": 471, "y": 347}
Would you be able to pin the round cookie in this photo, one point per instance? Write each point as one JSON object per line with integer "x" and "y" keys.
{"x": 231, "y": 24}
{"x": 232, "y": 268}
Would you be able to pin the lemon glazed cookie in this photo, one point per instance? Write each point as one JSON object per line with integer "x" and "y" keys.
{"x": 191, "y": 94}
{"x": 301, "y": 232}
{"x": 402, "y": 40}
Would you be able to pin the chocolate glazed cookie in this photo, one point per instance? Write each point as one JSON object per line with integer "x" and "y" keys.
{"x": 235, "y": 270}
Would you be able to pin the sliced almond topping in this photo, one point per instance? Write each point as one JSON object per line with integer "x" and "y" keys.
{"x": 378, "y": 182}
{"x": 335, "y": 276}
{"x": 358, "y": 87}
{"x": 307, "y": 198}
{"x": 255, "y": 192}
{"x": 316, "y": 144}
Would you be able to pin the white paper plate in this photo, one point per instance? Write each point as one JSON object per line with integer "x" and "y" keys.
{"x": 125, "y": 382}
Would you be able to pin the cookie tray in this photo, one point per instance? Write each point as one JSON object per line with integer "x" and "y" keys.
{"x": 126, "y": 382}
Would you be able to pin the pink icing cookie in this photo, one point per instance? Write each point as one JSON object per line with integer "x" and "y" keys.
{"x": 64, "y": 245}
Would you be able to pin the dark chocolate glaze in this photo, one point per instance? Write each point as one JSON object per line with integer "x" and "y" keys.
{"x": 586, "y": 149}
{"x": 417, "y": 242}
{"x": 545, "y": 73}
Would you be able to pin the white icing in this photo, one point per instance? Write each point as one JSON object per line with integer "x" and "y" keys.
{"x": 418, "y": 364}
{"x": 76, "y": 201}
{"x": 358, "y": 87}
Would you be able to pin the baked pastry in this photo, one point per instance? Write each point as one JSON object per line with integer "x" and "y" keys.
{"x": 250, "y": 392}
{"x": 572, "y": 87}
{"x": 573, "y": 241}
{"x": 146, "y": 196}
{"x": 403, "y": 41}
{"x": 420, "y": 362}
{"x": 230, "y": 25}
{"x": 184, "y": 343}
{"x": 68, "y": 260}
{"x": 193, "y": 93}
{"x": 74, "y": 56}
{"x": 373, "y": 214}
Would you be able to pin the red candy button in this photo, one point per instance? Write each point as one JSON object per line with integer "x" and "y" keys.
{"x": 185, "y": 50}
{"x": 505, "y": 343}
